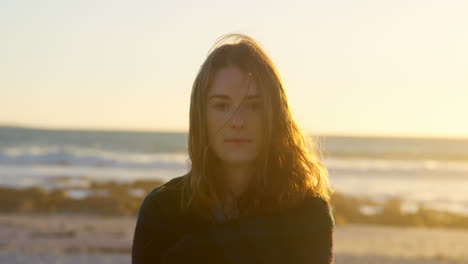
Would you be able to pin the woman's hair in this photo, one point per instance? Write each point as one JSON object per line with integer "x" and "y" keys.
{"x": 288, "y": 168}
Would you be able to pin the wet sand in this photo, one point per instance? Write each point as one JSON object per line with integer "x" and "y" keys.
{"x": 76, "y": 239}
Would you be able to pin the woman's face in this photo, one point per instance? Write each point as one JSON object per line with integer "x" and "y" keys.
{"x": 234, "y": 112}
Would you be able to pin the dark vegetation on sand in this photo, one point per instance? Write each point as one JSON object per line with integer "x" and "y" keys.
{"x": 112, "y": 198}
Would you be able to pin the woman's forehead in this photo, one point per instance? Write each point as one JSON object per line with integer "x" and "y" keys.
{"x": 232, "y": 82}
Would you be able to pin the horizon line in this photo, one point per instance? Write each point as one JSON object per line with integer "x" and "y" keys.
{"x": 152, "y": 130}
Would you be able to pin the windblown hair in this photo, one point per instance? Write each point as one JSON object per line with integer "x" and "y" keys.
{"x": 288, "y": 167}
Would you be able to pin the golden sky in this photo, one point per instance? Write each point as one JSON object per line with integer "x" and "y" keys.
{"x": 350, "y": 67}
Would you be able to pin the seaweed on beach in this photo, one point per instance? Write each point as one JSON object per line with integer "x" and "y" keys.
{"x": 347, "y": 210}
{"x": 124, "y": 198}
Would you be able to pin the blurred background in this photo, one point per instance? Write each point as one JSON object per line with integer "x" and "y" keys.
{"x": 94, "y": 115}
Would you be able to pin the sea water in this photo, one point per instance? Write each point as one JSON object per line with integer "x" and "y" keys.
{"x": 429, "y": 171}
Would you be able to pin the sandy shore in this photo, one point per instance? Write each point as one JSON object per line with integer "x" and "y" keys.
{"x": 73, "y": 239}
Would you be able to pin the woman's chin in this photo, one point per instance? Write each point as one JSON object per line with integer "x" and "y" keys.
{"x": 238, "y": 160}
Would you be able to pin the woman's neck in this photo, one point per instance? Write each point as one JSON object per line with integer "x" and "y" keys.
{"x": 237, "y": 178}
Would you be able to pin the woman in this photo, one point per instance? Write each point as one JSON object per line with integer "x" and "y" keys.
{"x": 256, "y": 191}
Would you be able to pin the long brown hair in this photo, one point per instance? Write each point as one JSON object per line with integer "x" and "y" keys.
{"x": 288, "y": 166}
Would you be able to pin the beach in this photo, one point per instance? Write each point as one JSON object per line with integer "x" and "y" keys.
{"x": 72, "y": 196}
{"x": 80, "y": 238}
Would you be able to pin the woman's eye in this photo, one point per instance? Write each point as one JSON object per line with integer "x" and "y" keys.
{"x": 254, "y": 106}
{"x": 221, "y": 106}
{"x": 225, "y": 106}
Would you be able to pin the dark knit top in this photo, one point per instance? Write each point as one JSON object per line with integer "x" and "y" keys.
{"x": 164, "y": 235}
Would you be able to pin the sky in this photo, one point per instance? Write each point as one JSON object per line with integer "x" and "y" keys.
{"x": 395, "y": 68}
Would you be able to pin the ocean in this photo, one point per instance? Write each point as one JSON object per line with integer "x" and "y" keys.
{"x": 429, "y": 171}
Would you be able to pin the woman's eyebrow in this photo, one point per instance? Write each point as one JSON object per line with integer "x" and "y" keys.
{"x": 219, "y": 96}
{"x": 225, "y": 97}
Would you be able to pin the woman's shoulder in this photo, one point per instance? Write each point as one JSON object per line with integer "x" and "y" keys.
{"x": 315, "y": 210}
{"x": 319, "y": 202}
{"x": 319, "y": 209}
{"x": 163, "y": 197}
{"x": 158, "y": 225}
{"x": 172, "y": 185}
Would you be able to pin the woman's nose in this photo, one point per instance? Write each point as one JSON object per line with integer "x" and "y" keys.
{"x": 238, "y": 120}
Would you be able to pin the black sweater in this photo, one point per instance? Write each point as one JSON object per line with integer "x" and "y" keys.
{"x": 164, "y": 235}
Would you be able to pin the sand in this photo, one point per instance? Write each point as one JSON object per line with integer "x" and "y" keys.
{"x": 74, "y": 239}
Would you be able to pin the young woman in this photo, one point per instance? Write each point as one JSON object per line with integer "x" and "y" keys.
{"x": 256, "y": 191}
